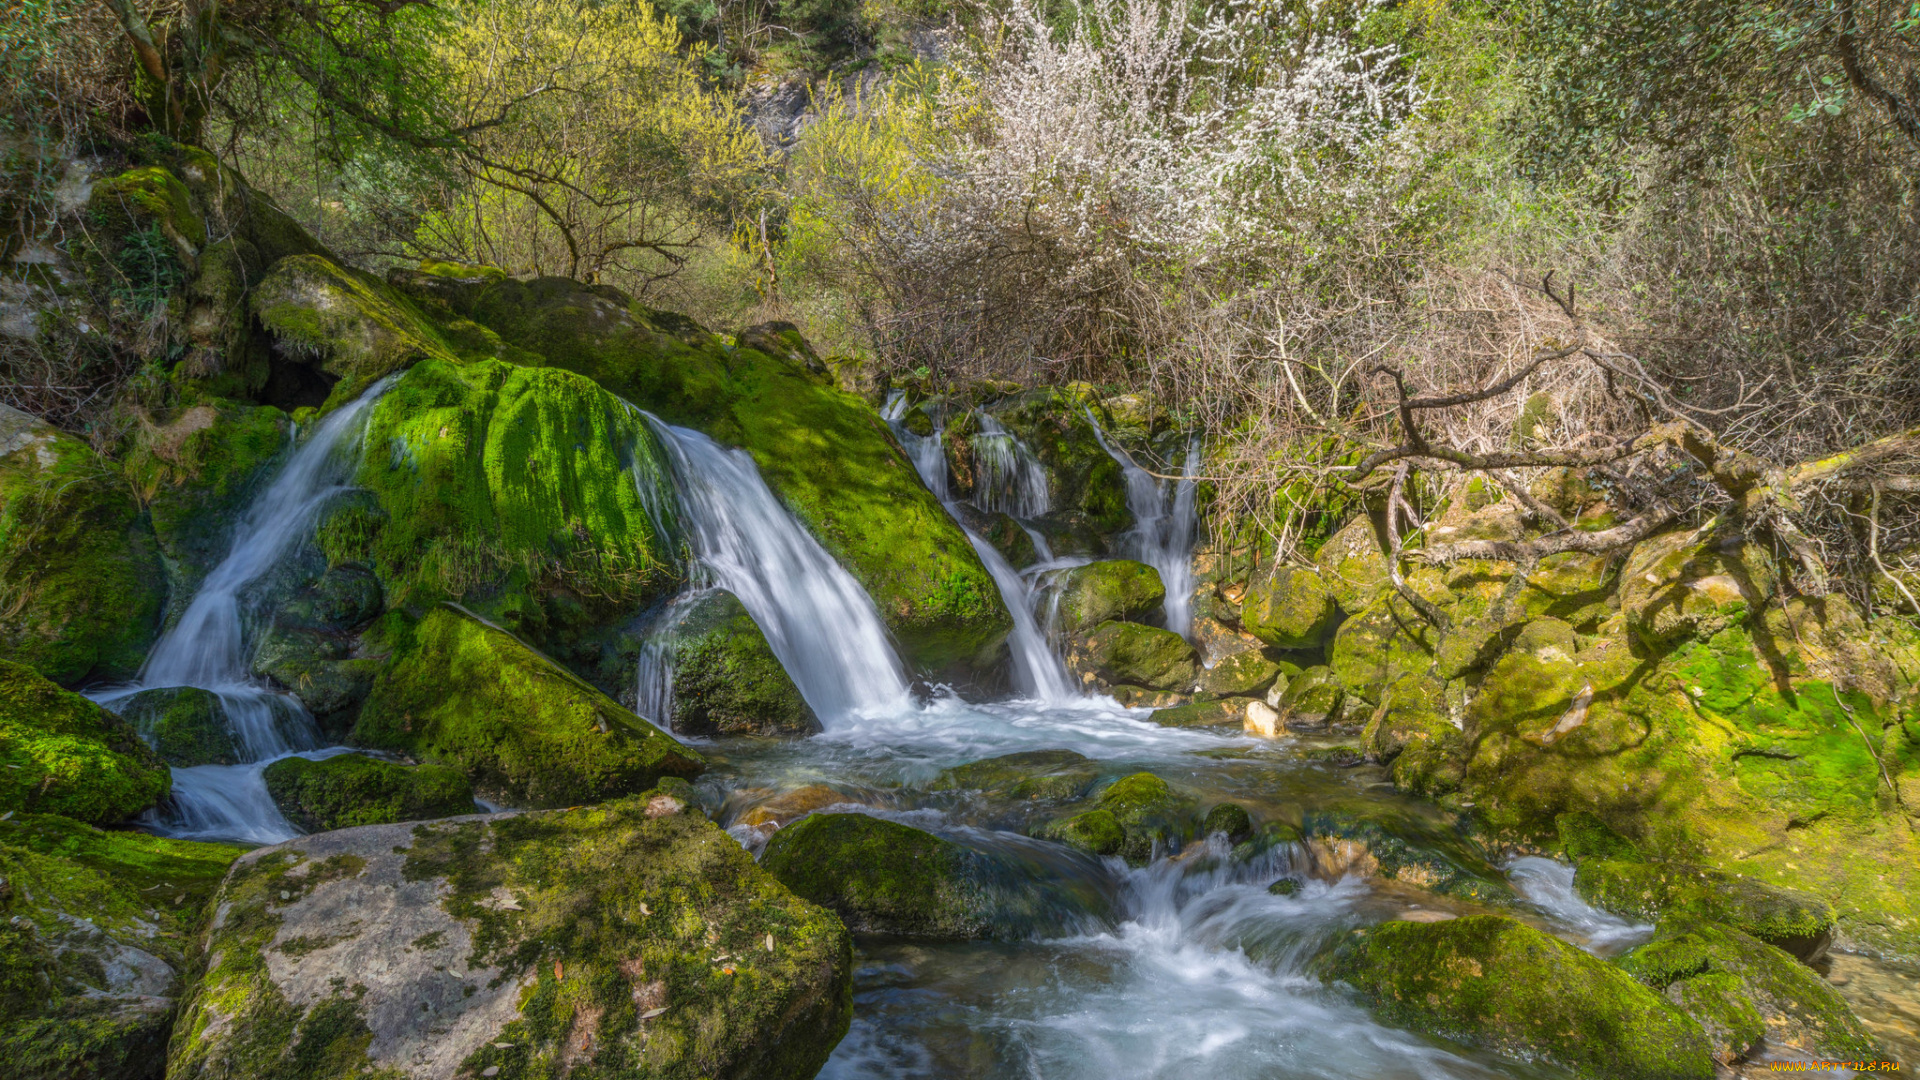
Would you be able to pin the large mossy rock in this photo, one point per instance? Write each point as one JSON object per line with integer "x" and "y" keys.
{"x": 349, "y": 325}
{"x": 1245, "y": 674}
{"x": 185, "y": 725}
{"x": 1133, "y": 817}
{"x": 1380, "y": 644}
{"x": 1135, "y": 654}
{"x": 1313, "y": 701}
{"x": 528, "y": 733}
{"x": 1353, "y": 565}
{"x": 1497, "y": 984}
{"x": 1087, "y": 489}
{"x": 97, "y": 932}
{"x": 1800, "y": 924}
{"x": 1372, "y": 839}
{"x": 197, "y": 472}
{"x": 523, "y": 490}
{"x": 1037, "y": 775}
{"x": 726, "y": 679}
{"x": 625, "y": 939}
{"x": 346, "y": 790}
{"x": 1116, "y": 590}
{"x": 62, "y": 754}
{"x": 824, "y": 452}
{"x": 882, "y": 877}
{"x": 1685, "y": 584}
{"x": 81, "y": 584}
{"x": 1292, "y": 609}
{"x": 1740, "y": 989}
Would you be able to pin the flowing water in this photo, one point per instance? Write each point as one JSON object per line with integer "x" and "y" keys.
{"x": 208, "y": 646}
{"x": 1164, "y": 524}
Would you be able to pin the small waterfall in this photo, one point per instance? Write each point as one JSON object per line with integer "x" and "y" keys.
{"x": 1012, "y": 481}
{"x": 1164, "y": 523}
{"x": 819, "y": 622}
{"x": 1037, "y": 672}
{"x": 207, "y": 647}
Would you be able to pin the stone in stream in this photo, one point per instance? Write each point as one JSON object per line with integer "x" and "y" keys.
{"x": 1313, "y": 702}
{"x": 1036, "y": 775}
{"x": 1289, "y": 610}
{"x": 97, "y": 931}
{"x": 345, "y": 790}
{"x": 1136, "y": 655}
{"x": 1114, "y": 590}
{"x": 632, "y": 935}
{"x": 726, "y": 680}
{"x": 524, "y": 730}
{"x": 1368, "y": 839}
{"x": 1230, "y": 819}
{"x": 63, "y": 754}
{"x": 1246, "y": 674}
{"x": 1740, "y": 990}
{"x": 1500, "y": 985}
{"x": 1220, "y": 712}
{"x": 1133, "y": 815}
{"x": 185, "y": 725}
{"x": 1798, "y": 923}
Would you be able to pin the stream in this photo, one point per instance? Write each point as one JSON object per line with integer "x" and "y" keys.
{"x": 1187, "y": 966}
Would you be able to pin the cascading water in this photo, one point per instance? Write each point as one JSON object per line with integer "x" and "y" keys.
{"x": 819, "y": 622}
{"x": 1037, "y": 672}
{"x": 1164, "y": 522}
{"x": 1012, "y": 481}
{"x": 207, "y": 647}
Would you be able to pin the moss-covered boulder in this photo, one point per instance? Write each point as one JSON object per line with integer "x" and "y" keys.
{"x": 1118, "y": 590}
{"x": 1352, "y": 565}
{"x": 1740, "y": 989}
{"x": 1503, "y": 986}
{"x": 1135, "y": 654}
{"x": 348, "y": 325}
{"x": 1133, "y": 816}
{"x": 525, "y": 491}
{"x": 1291, "y": 609}
{"x": 1411, "y": 732}
{"x": 81, "y": 584}
{"x": 1380, "y": 644}
{"x": 1246, "y": 674}
{"x": 197, "y": 471}
{"x": 345, "y": 790}
{"x": 1313, "y": 702}
{"x": 1218, "y": 712}
{"x": 62, "y": 754}
{"x": 97, "y": 933}
{"x": 628, "y": 938}
{"x": 463, "y": 693}
{"x": 882, "y": 877}
{"x": 1793, "y": 921}
{"x": 726, "y": 680}
{"x": 1037, "y": 775}
{"x": 1087, "y": 508}
{"x": 824, "y": 452}
{"x": 1368, "y": 839}
{"x": 1693, "y": 584}
{"x": 185, "y": 725}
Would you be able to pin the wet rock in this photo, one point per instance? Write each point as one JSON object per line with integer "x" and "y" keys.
{"x": 1036, "y": 775}
{"x": 1740, "y": 990}
{"x": 1228, "y": 712}
{"x": 62, "y": 754}
{"x": 1686, "y": 584}
{"x": 319, "y": 668}
{"x": 1284, "y": 887}
{"x": 1368, "y": 840}
{"x": 1800, "y": 924}
{"x": 1291, "y": 609}
{"x": 353, "y": 789}
{"x": 882, "y": 877}
{"x": 1497, "y": 984}
{"x": 1313, "y": 702}
{"x": 788, "y": 807}
{"x": 1006, "y": 536}
{"x": 1136, "y": 655}
{"x": 513, "y": 944}
{"x": 1118, "y": 589}
{"x": 726, "y": 680}
{"x": 347, "y": 325}
{"x": 1262, "y": 719}
{"x": 80, "y": 574}
{"x": 341, "y": 599}
{"x": 1133, "y": 815}
{"x": 97, "y": 930}
{"x": 185, "y": 725}
{"x": 524, "y": 730}
{"x": 197, "y": 471}
{"x": 1229, "y": 819}
{"x": 1247, "y": 674}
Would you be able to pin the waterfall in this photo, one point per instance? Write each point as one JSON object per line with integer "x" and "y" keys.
{"x": 819, "y": 622}
{"x": 207, "y": 647}
{"x": 1037, "y": 672}
{"x": 1164, "y": 523}
{"x": 1011, "y": 480}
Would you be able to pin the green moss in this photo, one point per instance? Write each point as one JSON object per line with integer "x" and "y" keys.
{"x": 881, "y": 876}
{"x": 1381, "y": 644}
{"x": 527, "y": 733}
{"x": 726, "y": 680}
{"x": 1096, "y": 832}
{"x": 1352, "y": 565}
{"x": 352, "y": 789}
{"x": 1409, "y": 848}
{"x": 516, "y": 490}
{"x": 344, "y": 323}
{"x": 1314, "y": 699}
{"x": 825, "y": 453}
{"x": 1584, "y": 836}
{"x": 80, "y": 577}
{"x": 1693, "y": 584}
{"x": 1246, "y": 674}
{"x": 1230, "y": 819}
{"x": 1228, "y": 713}
{"x": 62, "y": 754}
{"x": 197, "y": 473}
{"x": 1292, "y": 609}
{"x": 185, "y": 725}
{"x": 1497, "y": 984}
{"x": 1136, "y": 655}
{"x": 1658, "y": 890}
{"x": 1118, "y": 589}
{"x": 1740, "y": 989}
{"x": 1041, "y": 775}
